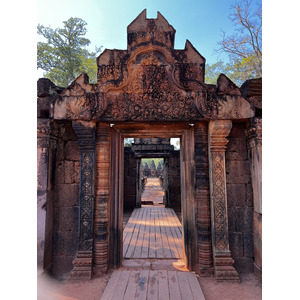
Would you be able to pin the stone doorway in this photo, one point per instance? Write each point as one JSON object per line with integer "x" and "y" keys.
{"x": 148, "y": 90}
{"x": 183, "y": 131}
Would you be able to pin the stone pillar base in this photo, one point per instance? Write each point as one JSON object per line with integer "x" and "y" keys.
{"x": 206, "y": 272}
{"x": 205, "y": 256}
{"x": 224, "y": 270}
{"x": 82, "y": 266}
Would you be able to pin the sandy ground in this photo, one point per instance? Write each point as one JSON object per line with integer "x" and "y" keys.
{"x": 51, "y": 289}
{"x": 248, "y": 289}
{"x": 48, "y": 289}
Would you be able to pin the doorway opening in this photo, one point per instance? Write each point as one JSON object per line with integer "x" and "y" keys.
{"x": 152, "y": 228}
{"x": 153, "y": 182}
{"x": 119, "y": 186}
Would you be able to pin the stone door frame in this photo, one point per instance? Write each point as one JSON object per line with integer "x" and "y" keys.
{"x": 101, "y": 197}
{"x": 139, "y": 192}
{"x": 186, "y": 134}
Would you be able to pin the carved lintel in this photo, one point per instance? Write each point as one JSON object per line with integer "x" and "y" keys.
{"x": 223, "y": 263}
{"x": 82, "y": 266}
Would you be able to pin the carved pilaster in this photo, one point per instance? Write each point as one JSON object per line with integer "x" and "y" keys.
{"x": 102, "y": 186}
{"x": 202, "y": 198}
{"x": 85, "y": 132}
{"x": 223, "y": 262}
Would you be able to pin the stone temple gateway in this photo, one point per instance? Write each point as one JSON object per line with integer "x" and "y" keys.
{"x": 150, "y": 90}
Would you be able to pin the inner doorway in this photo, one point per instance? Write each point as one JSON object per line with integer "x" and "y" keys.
{"x": 152, "y": 176}
{"x": 185, "y": 133}
{"x": 153, "y": 229}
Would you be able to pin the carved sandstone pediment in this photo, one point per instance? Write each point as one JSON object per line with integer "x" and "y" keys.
{"x": 151, "y": 81}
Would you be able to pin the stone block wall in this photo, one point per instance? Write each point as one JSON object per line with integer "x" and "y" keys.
{"x": 47, "y": 91}
{"x": 66, "y": 204}
{"x": 174, "y": 181}
{"x": 129, "y": 179}
{"x": 239, "y": 200}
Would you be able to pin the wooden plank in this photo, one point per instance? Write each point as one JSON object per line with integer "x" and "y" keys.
{"x": 135, "y": 234}
{"x": 153, "y": 234}
{"x": 172, "y": 227}
{"x": 195, "y": 286}
{"x": 132, "y": 285}
{"x": 184, "y": 286}
{"x": 169, "y": 235}
{"x": 173, "y": 286}
{"x": 129, "y": 239}
{"x": 128, "y": 231}
{"x": 111, "y": 286}
{"x": 158, "y": 236}
{"x": 141, "y": 291}
{"x": 175, "y": 232}
{"x": 145, "y": 246}
{"x": 152, "y": 293}
{"x": 176, "y": 221}
{"x": 165, "y": 242}
{"x": 140, "y": 236}
{"x": 130, "y": 225}
{"x": 163, "y": 285}
{"x": 152, "y": 241}
{"x": 121, "y": 286}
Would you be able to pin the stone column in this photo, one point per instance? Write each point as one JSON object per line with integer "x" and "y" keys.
{"x": 103, "y": 156}
{"x": 202, "y": 199}
{"x": 46, "y": 144}
{"x": 85, "y": 132}
{"x": 189, "y": 230}
{"x": 223, "y": 262}
{"x": 254, "y": 143}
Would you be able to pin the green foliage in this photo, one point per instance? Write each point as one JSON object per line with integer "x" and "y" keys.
{"x": 64, "y": 56}
{"x": 212, "y": 72}
{"x": 244, "y": 46}
{"x": 237, "y": 70}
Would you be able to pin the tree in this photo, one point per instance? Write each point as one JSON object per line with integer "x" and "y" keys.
{"x": 212, "y": 72}
{"x": 244, "y": 47}
{"x": 64, "y": 56}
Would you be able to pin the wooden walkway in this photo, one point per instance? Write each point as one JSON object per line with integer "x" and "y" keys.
{"x": 153, "y": 232}
{"x": 152, "y": 285}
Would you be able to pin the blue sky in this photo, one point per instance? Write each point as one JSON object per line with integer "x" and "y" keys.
{"x": 199, "y": 21}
